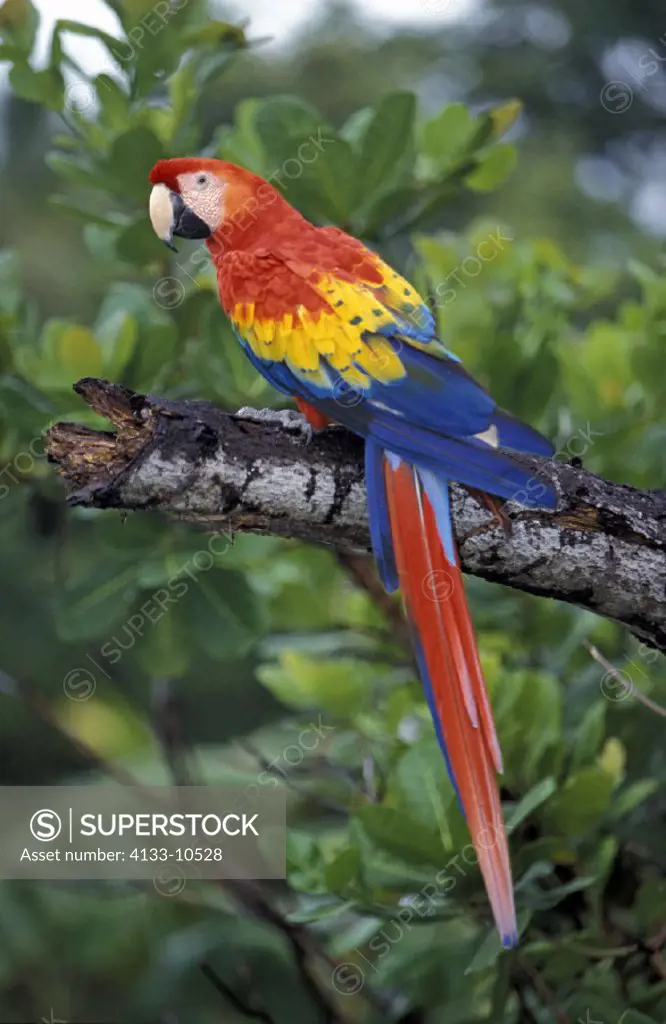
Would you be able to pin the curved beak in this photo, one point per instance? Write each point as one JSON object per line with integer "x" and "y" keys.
{"x": 170, "y": 216}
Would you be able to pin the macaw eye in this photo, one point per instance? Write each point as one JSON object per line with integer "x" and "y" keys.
{"x": 201, "y": 180}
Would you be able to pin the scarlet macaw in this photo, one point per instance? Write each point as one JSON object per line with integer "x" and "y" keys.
{"x": 327, "y": 322}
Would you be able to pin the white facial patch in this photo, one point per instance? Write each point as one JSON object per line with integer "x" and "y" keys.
{"x": 161, "y": 212}
{"x": 203, "y": 194}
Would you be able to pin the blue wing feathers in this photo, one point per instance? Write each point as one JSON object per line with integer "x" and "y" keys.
{"x": 437, "y": 393}
{"x": 513, "y": 433}
{"x": 277, "y": 374}
{"x": 429, "y": 418}
{"x": 468, "y": 461}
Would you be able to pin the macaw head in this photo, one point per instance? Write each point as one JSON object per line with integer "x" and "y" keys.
{"x": 196, "y": 197}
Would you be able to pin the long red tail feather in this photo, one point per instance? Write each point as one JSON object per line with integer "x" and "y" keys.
{"x": 434, "y": 596}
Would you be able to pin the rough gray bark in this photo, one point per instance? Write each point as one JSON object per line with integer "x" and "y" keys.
{"x": 604, "y": 548}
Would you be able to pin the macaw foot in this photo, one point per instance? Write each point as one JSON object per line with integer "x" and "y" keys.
{"x": 290, "y": 421}
{"x": 496, "y": 507}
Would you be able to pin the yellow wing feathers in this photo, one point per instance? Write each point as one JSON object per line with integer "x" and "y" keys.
{"x": 344, "y": 335}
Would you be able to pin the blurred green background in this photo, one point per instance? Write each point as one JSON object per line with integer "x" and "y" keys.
{"x": 428, "y": 156}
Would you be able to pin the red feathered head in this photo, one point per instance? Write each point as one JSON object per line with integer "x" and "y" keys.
{"x": 196, "y": 197}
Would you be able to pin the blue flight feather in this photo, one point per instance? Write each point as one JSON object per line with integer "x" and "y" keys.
{"x": 437, "y": 488}
{"x": 422, "y": 666}
{"x": 378, "y": 516}
{"x": 513, "y": 433}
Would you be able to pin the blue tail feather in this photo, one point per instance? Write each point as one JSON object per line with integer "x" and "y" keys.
{"x": 470, "y": 462}
{"x": 378, "y": 515}
{"x": 437, "y": 488}
{"x": 422, "y": 666}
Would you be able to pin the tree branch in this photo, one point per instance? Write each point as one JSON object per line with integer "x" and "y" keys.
{"x": 604, "y": 548}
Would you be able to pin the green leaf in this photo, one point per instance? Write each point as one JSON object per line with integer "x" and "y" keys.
{"x": 600, "y": 865}
{"x": 603, "y": 365}
{"x": 529, "y": 803}
{"x": 631, "y": 796}
{"x": 113, "y": 103}
{"x": 387, "y": 151}
{"x": 130, "y": 161}
{"x": 209, "y": 65}
{"x": 183, "y": 91}
{"x": 158, "y": 336}
{"x": 529, "y": 713}
{"x": 424, "y": 788}
{"x": 343, "y": 870}
{"x": 78, "y": 353}
{"x": 589, "y": 734}
{"x": 322, "y": 910}
{"x": 44, "y": 86}
{"x": 100, "y": 239}
{"x": 439, "y": 259}
{"x": 9, "y": 281}
{"x": 220, "y": 609}
{"x": 153, "y": 58}
{"x": 116, "y": 333}
{"x": 396, "y": 833}
{"x": 165, "y": 650}
{"x": 242, "y": 144}
{"x": 545, "y": 899}
{"x": 94, "y": 607}
{"x": 11, "y": 53}
{"x": 116, "y": 47}
{"x": 66, "y": 352}
{"x": 135, "y": 243}
{"x": 24, "y": 405}
{"x": 613, "y": 759}
{"x": 314, "y": 168}
{"x": 492, "y": 168}
{"x": 73, "y": 169}
{"x": 650, "y": 904}
{"x": 111, "y": 728}
{"x": 581, "y": 802}
{"x": 282, "y": 121}
{"x": 19, "y": 21}
{"x": 355, "y": 128}
{"x": 492, "y": 124}
{"x": 388, "y": 210}
{"x": 325, "y": 188}
{"x": 81, "y": 213}
{"x": 161, "y": 52}
{"x": 446, "y": 138}
{"x": 338, "y": 685}
{"x": 504, "y": 116}
{"x": 356, "y": 936}
{"x": 214, "y": 33}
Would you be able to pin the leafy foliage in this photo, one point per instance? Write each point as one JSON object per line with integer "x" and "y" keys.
{"x": 380, "y": 865}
